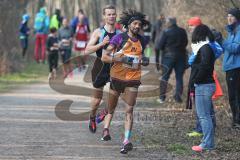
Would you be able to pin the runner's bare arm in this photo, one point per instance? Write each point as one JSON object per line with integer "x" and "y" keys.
{"x": 106, "y": 55}
{"x": 92, "y": 45}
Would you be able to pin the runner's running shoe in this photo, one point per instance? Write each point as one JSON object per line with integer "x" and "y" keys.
{"x": 126, "y": 148}
{"x": 92, "y": 124}
{"x": 105, "y": 135}
{"x": 101, "y": 115}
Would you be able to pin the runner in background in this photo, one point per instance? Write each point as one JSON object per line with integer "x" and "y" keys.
{"x": 75, "y": 21}
{"x": 81, "y": 38}
{"x": 65, "y": 35}
{"x": 101, "y": 71}
{"x": 52, "y": 48}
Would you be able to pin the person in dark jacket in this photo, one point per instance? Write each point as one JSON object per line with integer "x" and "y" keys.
{"x": 52, "y": 48}
{"x": 173, "y": 44}
{"x": 24, "y": 31}
{"x": 156, "y": 34}
{"x": 201, "y": 78}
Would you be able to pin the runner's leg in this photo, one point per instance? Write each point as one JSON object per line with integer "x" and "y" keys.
{"x": 95, "y": 102}
{"x": 112, "y": 103}
{"x": 130, "y": 95}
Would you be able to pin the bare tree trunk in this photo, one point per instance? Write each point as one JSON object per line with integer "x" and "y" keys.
{"x": 41, "y": 3}
{"x": 124, "y": 3}
{"x": 141, "y": 5}
{"x": 114, "y": 2}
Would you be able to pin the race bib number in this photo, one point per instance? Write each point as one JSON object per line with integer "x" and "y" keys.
{"x": 65, "y": 43}
{"x": 134, "y": 60}
{"x": 81, "y": 44}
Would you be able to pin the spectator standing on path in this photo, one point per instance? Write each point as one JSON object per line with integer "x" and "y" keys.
{"x": 231, "y": 64}
{"x": 65, "y": 37}
{"x": 172, "y": 44}
{"x": 201, "y": 78}
{"x": 156, "y": 34}
{"x": 52, "y": 48}
{"x": 24, "y": 31}
{"x": 41, "y": 26}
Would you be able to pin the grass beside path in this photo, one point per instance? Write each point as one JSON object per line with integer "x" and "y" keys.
{"x": 32, "y": 73}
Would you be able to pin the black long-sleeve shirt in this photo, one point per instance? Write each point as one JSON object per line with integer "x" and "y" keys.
{"x": 51, "y": 41}
{"x": 203, "y": 66}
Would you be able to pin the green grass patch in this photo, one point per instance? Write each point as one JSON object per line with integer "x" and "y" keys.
{"x": 31, "y": 73}
{"x": 178, "y": 149}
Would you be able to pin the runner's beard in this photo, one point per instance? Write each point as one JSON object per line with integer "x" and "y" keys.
{"x": 127, "y": 45}
{"x": 135, "y": 31}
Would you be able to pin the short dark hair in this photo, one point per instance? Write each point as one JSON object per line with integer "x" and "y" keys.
{"x": 80, "y": 11}
{"x": 108, "y": 7}
{"x": 201, "y": 33}
{"x": 53, "y": 30}
{"x": 57, "y": 11}
{"x": 172, "y": 20}
{"x": 235, "y": 12}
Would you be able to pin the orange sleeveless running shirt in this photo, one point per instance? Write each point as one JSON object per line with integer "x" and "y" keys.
{"x": 124, "y": 72}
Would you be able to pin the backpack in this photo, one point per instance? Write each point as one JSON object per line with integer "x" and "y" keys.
{"x": 39, "y": 23}
{"x": 54, "y": 22}
{"x": 217, "y": 49}
{"x": 217, "y": 36}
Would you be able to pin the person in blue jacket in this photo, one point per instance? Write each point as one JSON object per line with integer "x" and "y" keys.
{"x": 24, "y": 33}
{"x": 41, "y": 28}
{"x": 231, "y": 64}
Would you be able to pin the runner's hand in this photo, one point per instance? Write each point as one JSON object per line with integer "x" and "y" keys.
{"x": 127, "y": 60}
{"x": 145, "y": 61}
{"x": 106, "y": 40}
